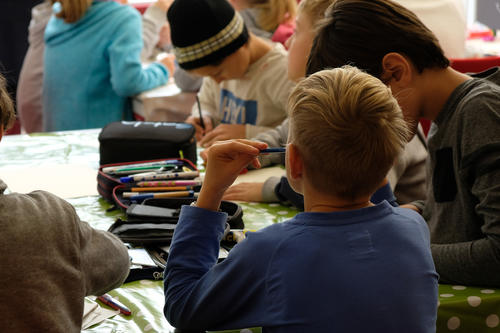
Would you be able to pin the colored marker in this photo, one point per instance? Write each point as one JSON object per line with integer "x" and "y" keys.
{"x": 110, "y": 301}
{"x": 161, "y": 188}
{"x": 140, "y": 197}
{"x": 137, "y": 165}
{"x": 173, "y": 175}
{"x": 169, "y": 183}
{"x": 131, "y": 195}
{"x": 273, "y": 150}
{"x": 129, "y": 171}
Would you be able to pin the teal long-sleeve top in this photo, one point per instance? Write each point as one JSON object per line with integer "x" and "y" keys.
{"x": 93, "y": 65}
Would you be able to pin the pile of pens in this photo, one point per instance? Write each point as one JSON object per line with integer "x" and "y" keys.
{"x": 158, "y": 179}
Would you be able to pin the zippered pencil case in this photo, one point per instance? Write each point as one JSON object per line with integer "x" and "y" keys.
{"x": 117, "y": 188}
{"x": 127, "y": 141}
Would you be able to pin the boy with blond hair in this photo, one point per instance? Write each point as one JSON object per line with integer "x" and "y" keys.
{"x": 343, "y": 265}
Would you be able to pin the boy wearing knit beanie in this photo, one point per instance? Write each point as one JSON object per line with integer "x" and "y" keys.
{"x": 245, "y": 87}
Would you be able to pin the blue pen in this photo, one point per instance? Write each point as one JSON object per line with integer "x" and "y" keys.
{"x": 273, "y": 150}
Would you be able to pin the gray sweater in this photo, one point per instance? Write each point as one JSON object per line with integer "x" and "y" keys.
{"x": 50, "y": 261}
{"x": 407, "y": 176}
{"x": 463, "y": 199}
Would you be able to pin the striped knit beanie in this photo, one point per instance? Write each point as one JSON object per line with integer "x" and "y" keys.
{"x": 204, "y": 32}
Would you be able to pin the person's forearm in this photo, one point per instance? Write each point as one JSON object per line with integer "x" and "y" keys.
{"x": 209, "y": 199}
{"x": 469, "y": 263}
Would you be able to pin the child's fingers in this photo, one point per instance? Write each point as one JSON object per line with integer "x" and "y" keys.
{"x": 234, "y": 147}
{"x": 210, "y": 138}
{"x": 257, "y": 144}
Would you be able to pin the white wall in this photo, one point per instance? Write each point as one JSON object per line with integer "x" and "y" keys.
{"x": 470, "y": 10}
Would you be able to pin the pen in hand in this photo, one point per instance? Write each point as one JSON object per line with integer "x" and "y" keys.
{"x": 110, "y": 301}
{"x": 202, "y": 123}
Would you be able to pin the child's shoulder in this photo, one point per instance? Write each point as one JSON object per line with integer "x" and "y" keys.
{"x": 409, "y": 218}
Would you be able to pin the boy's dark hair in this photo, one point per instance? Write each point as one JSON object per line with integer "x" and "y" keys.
{"x": 361, "y": 32}
{"x": 7, "y": 114}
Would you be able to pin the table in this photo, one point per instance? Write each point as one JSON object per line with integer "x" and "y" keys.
{"x": 164, "y": 103}
{"x": 461, "y": 308}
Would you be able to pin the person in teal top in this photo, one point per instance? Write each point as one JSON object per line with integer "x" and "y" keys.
{"x": 92, "y": 64}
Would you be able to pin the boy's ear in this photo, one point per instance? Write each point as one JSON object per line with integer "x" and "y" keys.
{"x": 295, "y": 162}
{"x": 396, "y": 69}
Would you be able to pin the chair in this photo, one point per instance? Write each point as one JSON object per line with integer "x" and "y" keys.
{"x": 467, "y": 65}
{"x": 474, "y": 65}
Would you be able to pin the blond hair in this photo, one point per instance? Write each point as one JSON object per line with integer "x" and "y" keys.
{"x": 314, "y": 9}
{"x": 274, "y": 12}
{"x": 7, "y": 114}
{"x": 348, "y": 128}
{"x": 72, "y": 10}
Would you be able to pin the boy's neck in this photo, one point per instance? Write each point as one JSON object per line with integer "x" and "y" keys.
{"x": 438, "y": 85}
{"x": 258, "y": 47}
{"x": 315, "y": 201}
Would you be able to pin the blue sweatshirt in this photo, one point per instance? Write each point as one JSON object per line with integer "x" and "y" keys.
{"x": 366, "y": 270}
{"x": 92, "y": 66}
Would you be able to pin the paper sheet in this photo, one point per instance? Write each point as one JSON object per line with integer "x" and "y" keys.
{"x": 66, "y": 181}
{"x": 94, "y": 314}
{"x": 260, "y": 175}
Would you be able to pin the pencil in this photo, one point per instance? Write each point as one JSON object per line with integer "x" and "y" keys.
{"x": 202, "y": 123}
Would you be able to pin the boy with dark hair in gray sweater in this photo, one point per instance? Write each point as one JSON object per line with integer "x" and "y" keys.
{"x": 463, "y": 197}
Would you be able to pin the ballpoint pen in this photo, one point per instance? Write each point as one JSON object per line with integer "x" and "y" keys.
{"x": 110, "y": 301}
{"x": 273, "y": 150}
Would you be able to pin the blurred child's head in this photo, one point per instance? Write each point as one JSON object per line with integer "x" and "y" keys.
{"x": 72, "y": 10}
{"x": 271, "y": 12}
{"x": 299, "y": 45}
{"x": 347, "y": 128}
{"x": 208, "y": 37}
{"x": 7, "y": 115}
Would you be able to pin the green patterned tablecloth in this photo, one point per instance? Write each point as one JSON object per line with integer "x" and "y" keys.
{"x": 461, "y": 308}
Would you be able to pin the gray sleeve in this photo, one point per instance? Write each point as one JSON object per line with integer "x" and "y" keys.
{"x": 152, "y": 21}
{"x": 276, "y": 137}
{"x": 186, "y": 81}
{"x": 104, "y": 259}
{"x": 268, "y": 193}
{"x": 476, "y": 262}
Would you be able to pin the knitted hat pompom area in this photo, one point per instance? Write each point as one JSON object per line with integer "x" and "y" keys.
{"x": 204, "y": 32}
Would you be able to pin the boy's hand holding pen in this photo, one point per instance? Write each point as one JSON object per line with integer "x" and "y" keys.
{"x": 202, "y": 124}
{"x": 226, "y": 160}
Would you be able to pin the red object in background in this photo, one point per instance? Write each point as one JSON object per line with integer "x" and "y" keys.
{"x": 16, "y": 129}
{"x": 467, "y": 65}
{"x": 141, "y": 7}
{"x": 474, "y": 65}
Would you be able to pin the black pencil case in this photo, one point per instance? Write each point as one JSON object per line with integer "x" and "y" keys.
{"x": 145, "y": 232}
{"x": 128, "y": 141}
{"x": 173, "y": 206}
